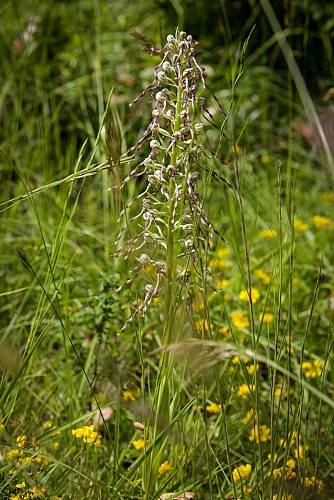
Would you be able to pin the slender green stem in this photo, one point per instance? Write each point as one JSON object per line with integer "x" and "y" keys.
{"x": 171, "y": 232}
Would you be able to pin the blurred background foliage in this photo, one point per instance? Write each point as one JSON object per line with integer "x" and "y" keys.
{"x": 61, "y": 59}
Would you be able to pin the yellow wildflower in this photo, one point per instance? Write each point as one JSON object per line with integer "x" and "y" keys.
{"x": 239, "y": 320}
{"x": 165, "y": 467}
{"x": 224, "y": 330}
{"x": 266, "y": 317}
{"x": 272, "y": 458}
{"x": 300, "y": 451}
{"x": 39, "y": 459}
{"x": 250, "y": 417}
{"x": 37, "y": 491}
{"x": 299, "y": 225}
{"x": 244, "y": 295}
{"x": 247, "y": 490}
{"x": 21, "y": 441}
{"x": 1, "y": 427}
{"x": 222, "y": 283}
{"x": 88, "y": 435}
{"x": 12, "y": 455}
{"x": 260, "y": 433}
{"x": 241, "y": 472}
{"x": 278, "y": 390}
{"x": 321, "y": 222}
{"x": 223, "y": 252}
{"x": 316, "y": 484}
{"x": 33, "y": 442}
{"x": 131, "y": 395}
{"x": 26, "y": 461}
{"x": 314, "y": 369}
{"x": 202, "y": 325}
{"x": 244, "y": 390}
{"x": 267, "y": 233}
{"x": 286, "y": 472}
{"x": 139, "y": 444}
{"x": 48, "y": 424}
{"x": 291, "y": 463}
{"x": 20, "y": 485}
{"x": 252, "y": 368}
{"x": 263, "y": 276}
{"x": 214, "y": 408}
{"x": 293, "y": 439}
{"x": 219, "y": 261}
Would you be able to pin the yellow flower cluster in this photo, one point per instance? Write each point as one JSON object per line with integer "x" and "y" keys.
{"x": 316, "y": 484}
{"x": 214, "y": 408}
{"x": 252, "y": 368}
{"x": 260, "y": 433}
{"x": 314, "y": 369}
{"x": 268, "y": 233}
{"x": 131, "y": 395}
{"x": 21, "y": 441}
{"x": 31, "y": 493}
{"x": 219, "y": 261}
{"x": 285, "y": 472}
{"x": 239, "y": 319}
{"x": 266, "y": 317}
{"x": 250, "y": 417}
{"x": 202, "y": 325}
{"x": 222, "y": 283}
{"x": 241, "y": 472}
{"x": 165, "y": 467}
{"x": 244, "y": 390}
{"x": 26, "y": 459}
{"x": 139, "y": 444}
{"x": 224, "y": 331}
{"x": 88, "y": 435}
{"x": 301, "y": 451}
{"x": 321, "y": 222}
{"x": 263, "y": 276}
{"x": 300, "y": 226}
{"x": 245, "y": 295}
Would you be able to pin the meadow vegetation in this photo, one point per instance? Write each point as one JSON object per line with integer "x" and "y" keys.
{"x": 167, "y": 291}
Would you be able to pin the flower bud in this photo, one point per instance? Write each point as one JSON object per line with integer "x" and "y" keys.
{"x": 166, "y": 66}
{"x": 198, "y": 127}
{"x": 161, "y": 76}
{"x": 155, "y": 145}
{"x": 144, "y": 259}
